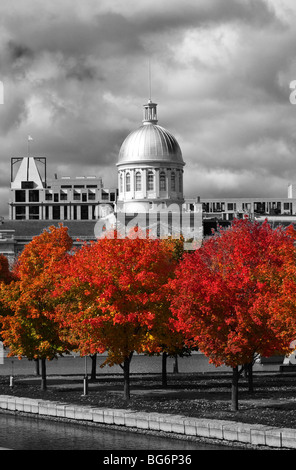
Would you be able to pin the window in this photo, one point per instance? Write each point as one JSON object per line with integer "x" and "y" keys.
{"x": 20, "y": 196}
{"x": 138, "y": 181}
{"x": 33, "y": 195}
{"x": 128, "y": 182}
{"x": 91, "y": 196}
{"x": 20, "y": 213}
{"x": 34, "y": 212}
{"x": 173, "y": 182}
{"x": 121, "y": 183}
{"x": 56, "y": 198}
{"x": 56, "y": 212}
{"x": 150, "y": 185}
{"x": 162, "y": 181}
{"x": 84, "y": 212}
{"x": 63, "y": 196}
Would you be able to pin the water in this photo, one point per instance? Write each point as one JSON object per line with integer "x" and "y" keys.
{"x": 22, "y": 433}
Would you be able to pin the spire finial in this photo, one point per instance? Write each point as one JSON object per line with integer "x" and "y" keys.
{"x": 149, "y": 79}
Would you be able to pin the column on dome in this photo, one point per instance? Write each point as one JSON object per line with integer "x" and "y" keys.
{"x": 144, "y": 182}
{"x": 169, "y": 182}
{"x": 181, "y": 182}
{"x": 120, "y": 183}
{"x": 156, "y": 182}
{"x": 132, "y": 183}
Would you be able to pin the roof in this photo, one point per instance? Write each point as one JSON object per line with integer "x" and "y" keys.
{"x": 150, "y": 142}
{"x": 31, "y": 228}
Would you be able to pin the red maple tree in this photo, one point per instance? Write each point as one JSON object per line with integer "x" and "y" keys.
{"x": 113, "y": 294}
{"x": 235, "y": 296}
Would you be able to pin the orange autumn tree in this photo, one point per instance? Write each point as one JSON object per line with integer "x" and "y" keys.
{"x": 112, "y": 295}
{"x": 235, "y": 296}
{"x": 6, "y": 276}
{"x": 30, "y": 329}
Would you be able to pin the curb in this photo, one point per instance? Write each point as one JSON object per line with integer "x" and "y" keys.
{"x": 228, "y": 431}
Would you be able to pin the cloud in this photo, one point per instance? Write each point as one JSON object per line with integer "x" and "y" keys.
{"x": 75, "y": 77}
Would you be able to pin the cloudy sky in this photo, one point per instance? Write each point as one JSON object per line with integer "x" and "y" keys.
{"x": 75, "y": 77}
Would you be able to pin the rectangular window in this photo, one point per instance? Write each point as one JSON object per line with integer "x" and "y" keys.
{"x": 33, "y": 195}
{"x": 20, "y": 212}
{"x": 91, "y": 196}
{"x": 84, "y": 212}
{"x": 63, "y": 196}
{"x": 150, "y": 185}
{"x": 34, "y": 213}
{"x": 20, "y": 196}
{"x": 56, "y": 212}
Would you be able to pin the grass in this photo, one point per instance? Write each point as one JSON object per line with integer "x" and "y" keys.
{"x": 272, "y": 403}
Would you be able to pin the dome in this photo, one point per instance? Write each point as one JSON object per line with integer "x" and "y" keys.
{"x": 150, "y": 142}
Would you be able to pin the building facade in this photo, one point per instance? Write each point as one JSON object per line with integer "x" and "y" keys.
{"x": 34, "y": 197}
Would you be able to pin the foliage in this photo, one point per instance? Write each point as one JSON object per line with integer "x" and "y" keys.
{"x": 235, "y": 296}
{"x": 114, "y": 293}
{"x": 31, "y": 330}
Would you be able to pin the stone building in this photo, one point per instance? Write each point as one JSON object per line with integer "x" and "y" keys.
{"x": 149, "y": 194}
{"x": 35, "y": 197}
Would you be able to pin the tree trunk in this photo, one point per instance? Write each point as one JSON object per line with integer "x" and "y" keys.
{"x": 37, "y": 368}
{"x": 176, "y": 366}
{"x": 250, "y": 377}
{"x": 234, "y": 389}
{"x": 93, "y": 374}
{"x": 164, "y": 369}
{"x": 126, "y": 375}
{"x": 43, "y": 374}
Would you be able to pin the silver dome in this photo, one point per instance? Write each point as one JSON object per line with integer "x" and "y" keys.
{"x": 150, "y": 142}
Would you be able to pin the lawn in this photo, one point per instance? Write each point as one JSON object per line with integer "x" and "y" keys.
{"x": 272, "y": 403}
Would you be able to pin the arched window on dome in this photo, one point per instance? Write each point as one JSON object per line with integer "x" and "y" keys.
{"x": 121, "y": 183}
{"x": 162, "y": 181}
{"x": 150, "y": 185}
{"x": 138, "y": 181}
{"x": 128, "y": 182}
{"x": 173, "y": 182}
